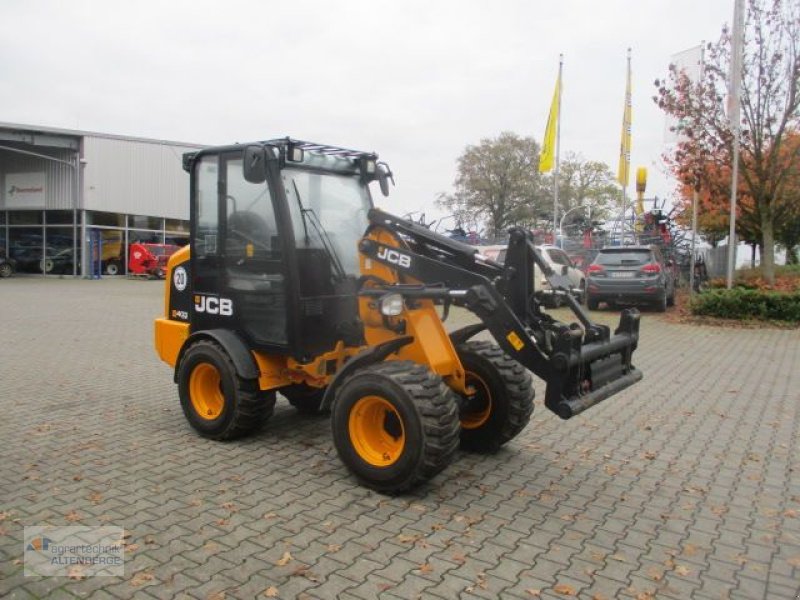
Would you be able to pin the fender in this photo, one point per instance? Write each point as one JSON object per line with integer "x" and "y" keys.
{"x": 234, "y": 346}
{"x": 366, "y": 357}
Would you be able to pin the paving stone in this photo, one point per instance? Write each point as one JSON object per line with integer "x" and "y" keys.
{"x": 554, "y": 505}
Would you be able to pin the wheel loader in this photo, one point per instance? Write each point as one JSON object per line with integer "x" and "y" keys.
{"x": 294, "y": 283}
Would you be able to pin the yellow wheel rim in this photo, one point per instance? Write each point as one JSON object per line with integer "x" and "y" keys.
{"x": 480, "y": 403}
{"x": 376, "y": 431}
{"x": 205, "y": 391}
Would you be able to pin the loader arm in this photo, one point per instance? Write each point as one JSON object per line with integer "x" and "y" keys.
{"x": 581, "y": 364}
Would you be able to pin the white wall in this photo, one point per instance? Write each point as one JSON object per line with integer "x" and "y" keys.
{"x": 135, "y": 177}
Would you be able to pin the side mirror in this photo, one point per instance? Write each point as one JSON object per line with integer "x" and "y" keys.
{"x": 564, "y": 270}
{"x": 384, "y": 175}
{"x": 254, "y": 164}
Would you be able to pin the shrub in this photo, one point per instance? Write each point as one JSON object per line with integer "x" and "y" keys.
{"x": 740, "y": 303}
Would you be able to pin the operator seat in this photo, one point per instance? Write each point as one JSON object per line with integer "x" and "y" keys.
{"x": 248, "y": 227}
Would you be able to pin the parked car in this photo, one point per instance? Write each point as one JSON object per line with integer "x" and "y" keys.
{"x": 630, "y": 275}
{"x": 29, "y": 258}
{"x": 558, "y": 260}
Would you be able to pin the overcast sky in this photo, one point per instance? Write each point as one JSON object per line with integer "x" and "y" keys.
{"x": 415, "y": 81}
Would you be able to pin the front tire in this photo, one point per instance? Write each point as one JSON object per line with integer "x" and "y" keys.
{"x": 217, "y": 402}
{"x": 395, "y": 425}
{"x": 6, "y": 270}
{"x": 502, "y": 404}
{"x": 592, "y": 303}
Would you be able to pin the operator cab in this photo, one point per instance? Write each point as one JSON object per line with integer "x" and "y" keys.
{"x": 275, "y": 232}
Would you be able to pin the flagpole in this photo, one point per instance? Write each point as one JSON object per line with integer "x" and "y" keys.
{"x": 735, "y": 117}
{"x": 624, "y": 167}
{"x": 558, "y": 152}
{"x": 696, "y": 190}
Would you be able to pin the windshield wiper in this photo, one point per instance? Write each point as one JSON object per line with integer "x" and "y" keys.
{"x": 323, "y": 235}
{"x": 302, "y": 211}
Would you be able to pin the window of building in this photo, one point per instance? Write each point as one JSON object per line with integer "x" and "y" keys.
{"x": 58, "y": 217}
{"x": 105, "y": 219}
{"x": 59, "y": 251}
{"x": 176, "y": 225}
{"x": 142, "y": 222}
{"x": 25, "y": 217}
{"x": 25, "y": 246}
{"x": 176, "y": 240}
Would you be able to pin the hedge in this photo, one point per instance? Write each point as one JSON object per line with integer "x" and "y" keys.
{"x": 740, "y": 303}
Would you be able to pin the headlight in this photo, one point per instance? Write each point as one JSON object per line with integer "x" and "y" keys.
{"x": 392, "y": 305}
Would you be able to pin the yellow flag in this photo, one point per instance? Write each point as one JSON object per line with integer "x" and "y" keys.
{"x": 623, "y": 172}
{"x": 547, "y": 157}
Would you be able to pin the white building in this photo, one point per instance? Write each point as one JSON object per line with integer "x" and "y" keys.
{"x": 65, "y": 192}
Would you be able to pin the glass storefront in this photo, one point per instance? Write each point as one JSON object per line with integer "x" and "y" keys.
{"x": 44, "y": 241}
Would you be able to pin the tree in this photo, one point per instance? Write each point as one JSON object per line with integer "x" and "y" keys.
{"x": 498, "y": 181}
{"x": 788, "y": 211}
{"x": 770, "y": 99}
{"x": 584, "y": 183}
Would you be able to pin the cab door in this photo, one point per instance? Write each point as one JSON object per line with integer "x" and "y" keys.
{"x": 238, "y": 280}
{"x": 254, "y": 266}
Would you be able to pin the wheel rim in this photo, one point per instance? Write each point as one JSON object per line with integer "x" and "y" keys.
{"x": 205, "y": 391}
{"x": 5, "y": 270}
{"x": 376, "y": 431}
{"x": 478, "y": 406}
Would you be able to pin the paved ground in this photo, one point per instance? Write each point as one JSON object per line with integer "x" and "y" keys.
{"x": 685, "y": 486}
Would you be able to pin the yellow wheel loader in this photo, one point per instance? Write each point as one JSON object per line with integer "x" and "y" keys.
{"x": 294, "y": 283}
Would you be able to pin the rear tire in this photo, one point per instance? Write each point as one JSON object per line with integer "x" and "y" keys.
{"x": 217, "y": 402}
{"x": 395, "y": 425}
{"x": 503, "y": 401}
{"x": 304, "y": 398}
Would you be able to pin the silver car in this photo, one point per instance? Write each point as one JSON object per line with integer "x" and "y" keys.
{"x": 558, "y": 260}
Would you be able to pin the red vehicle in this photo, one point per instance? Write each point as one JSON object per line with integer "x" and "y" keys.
{"x": 150, "y": 259}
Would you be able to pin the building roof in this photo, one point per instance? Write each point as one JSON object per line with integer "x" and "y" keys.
{"x": 80, "y": 133}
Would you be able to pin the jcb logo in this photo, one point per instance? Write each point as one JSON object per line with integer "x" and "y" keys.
{"x": 213, "y": 306}
{"x": 394, "y": 257}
